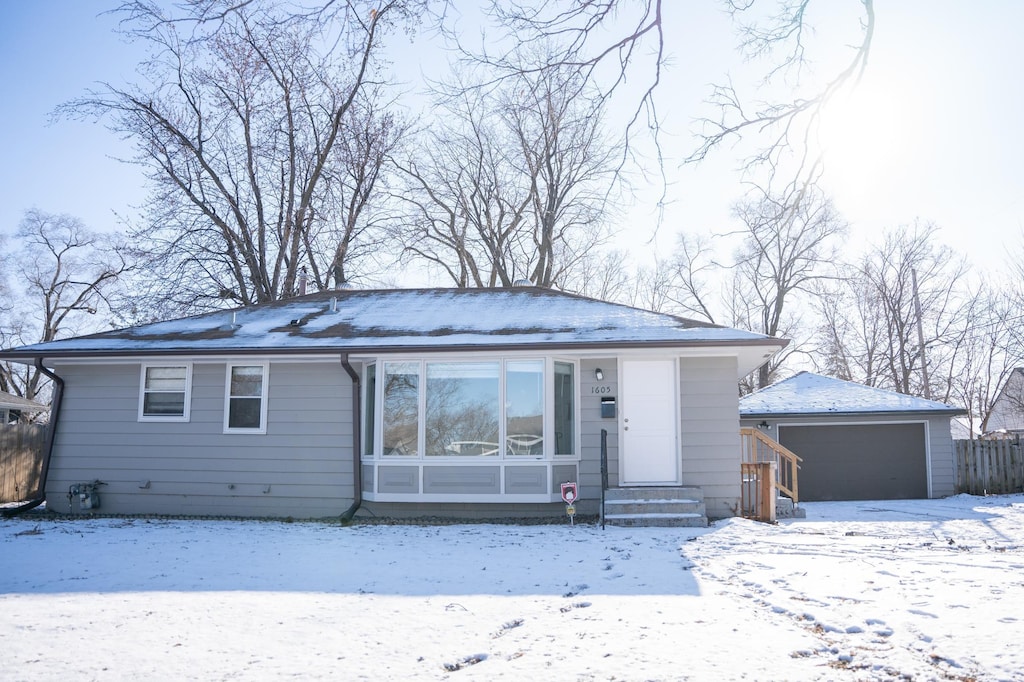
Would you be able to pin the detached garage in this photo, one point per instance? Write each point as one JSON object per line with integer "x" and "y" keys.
{"x": 857, "y": 442}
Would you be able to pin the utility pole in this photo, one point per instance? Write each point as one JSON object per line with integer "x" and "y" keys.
{"x": 920, "y": 334}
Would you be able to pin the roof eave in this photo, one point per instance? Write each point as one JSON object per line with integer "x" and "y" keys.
{"x": 951, "y": 412}
{"x": 15, "y": 356}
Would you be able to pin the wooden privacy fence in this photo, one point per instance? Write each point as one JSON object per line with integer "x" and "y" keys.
{"x": 989, "y": 467}
{"x": 21, "y": 461}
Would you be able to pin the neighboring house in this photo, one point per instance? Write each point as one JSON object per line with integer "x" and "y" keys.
{"x": 1007, "y": 414}
{"x": 857, "y": 442}
{"x": 964, "y": 428}
{"x": 473, "y": 402}
{"x": 12, "y": 406}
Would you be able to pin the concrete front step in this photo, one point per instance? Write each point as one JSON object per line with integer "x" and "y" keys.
{"x": 652, "y": 519}
{"x": 658, "y": 506}
{"x": 661, "y": 492}
{"x": 667, "y": 506}
{"x": 785, "y": 509}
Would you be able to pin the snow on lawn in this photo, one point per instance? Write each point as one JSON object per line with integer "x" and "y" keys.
{"x": 856, "y": 591}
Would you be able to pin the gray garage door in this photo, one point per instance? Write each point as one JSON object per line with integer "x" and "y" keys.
{"x": 863, "y": 462}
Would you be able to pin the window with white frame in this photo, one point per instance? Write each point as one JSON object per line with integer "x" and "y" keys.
{"x": 524, "y": 407}
{"x": 165, "y": 392}
{"x": 369, "y": 409}
{"x": 565, "y": 408}
{"x": 462, "y": 409}
{"x": 401, "y": 409}
{"x": 245, "y": 409}
{"x": 479, "y": 409}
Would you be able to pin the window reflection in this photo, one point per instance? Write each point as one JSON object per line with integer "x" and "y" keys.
{"x": 524, "y": 407}
{"x": 369, "y": 409}
{"x": 565, "y": 409}
{"x": 472, "y": 409}
{"x": 462, "y": 411}
{"x": 401, "y": 408}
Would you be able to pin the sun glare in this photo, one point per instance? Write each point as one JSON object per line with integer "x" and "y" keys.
{"x": 870, "y": 132}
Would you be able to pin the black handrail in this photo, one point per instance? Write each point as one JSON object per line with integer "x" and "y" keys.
{"x": 604, "y": 470}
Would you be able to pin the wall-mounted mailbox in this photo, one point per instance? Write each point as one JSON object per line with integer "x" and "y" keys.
{"x": 608, "y": 407}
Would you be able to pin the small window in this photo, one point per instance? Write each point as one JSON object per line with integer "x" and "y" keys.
{"x": 565, "y": 408}
{"x": 165, "y": 394}
{"x": 246, "y": 409}
{"x": 369, "y": 410}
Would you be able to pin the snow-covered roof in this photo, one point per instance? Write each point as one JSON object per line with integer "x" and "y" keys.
{"x": 408, "y": 319}
{"x": 9, "y": 401}
{"x": 807, "y": 394}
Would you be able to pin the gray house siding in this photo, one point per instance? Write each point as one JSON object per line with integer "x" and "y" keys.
{"x": 591, "y": 423}
{"x": 943, "y": 458}
{"x": 710, "y": 431}
{"x": 1008, "y": 408}
{"x": 301, "y": 467}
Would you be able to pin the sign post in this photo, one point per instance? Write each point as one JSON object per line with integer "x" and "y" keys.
{"x": 569, "y": 496}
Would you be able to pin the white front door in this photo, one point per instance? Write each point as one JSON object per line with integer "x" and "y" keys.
{"x": 649, "y": 455}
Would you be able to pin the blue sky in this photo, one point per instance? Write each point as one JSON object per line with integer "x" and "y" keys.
{"x": 934, "y": 134}
{"x": 52, "y": 51}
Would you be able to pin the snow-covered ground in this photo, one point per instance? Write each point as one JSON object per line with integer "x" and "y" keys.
{"x": 856, "y": 591}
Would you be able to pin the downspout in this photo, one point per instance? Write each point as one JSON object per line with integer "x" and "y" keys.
{"x": 51, "y": 433}
{"x": 357, "y": 455}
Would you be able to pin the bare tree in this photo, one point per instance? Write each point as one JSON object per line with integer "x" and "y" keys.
{"x": 980, "y": 362}
{"x": 788, "y": 245}
{"x": 64, "y": 276}
{"x": 871, "y": 331}
{"x": 614, "y": 42}
{"x": 602, "y": 274}
{"x": 693, "y": 270}
{"x": 262, "y": 137}
{"x": 653, "y": 287}
{"x": 851, "y": 334}
{"x": 511, "y": 184}
{"x": 468, "y": 204}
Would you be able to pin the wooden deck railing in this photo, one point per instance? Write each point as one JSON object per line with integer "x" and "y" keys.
{"x": 758, "y": 447}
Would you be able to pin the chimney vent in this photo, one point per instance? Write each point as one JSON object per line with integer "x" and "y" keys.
{"x": 303, "y": 278}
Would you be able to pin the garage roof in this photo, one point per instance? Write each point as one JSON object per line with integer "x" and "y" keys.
{"x": 809, "y": 394}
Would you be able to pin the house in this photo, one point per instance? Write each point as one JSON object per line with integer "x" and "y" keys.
{"x": 13, "y": 406}
{"x": 1007, "y": 415}
{"x": 857, "y": 442}
{"x": 477, "y": 402}
{"x": 964, "y": 428}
